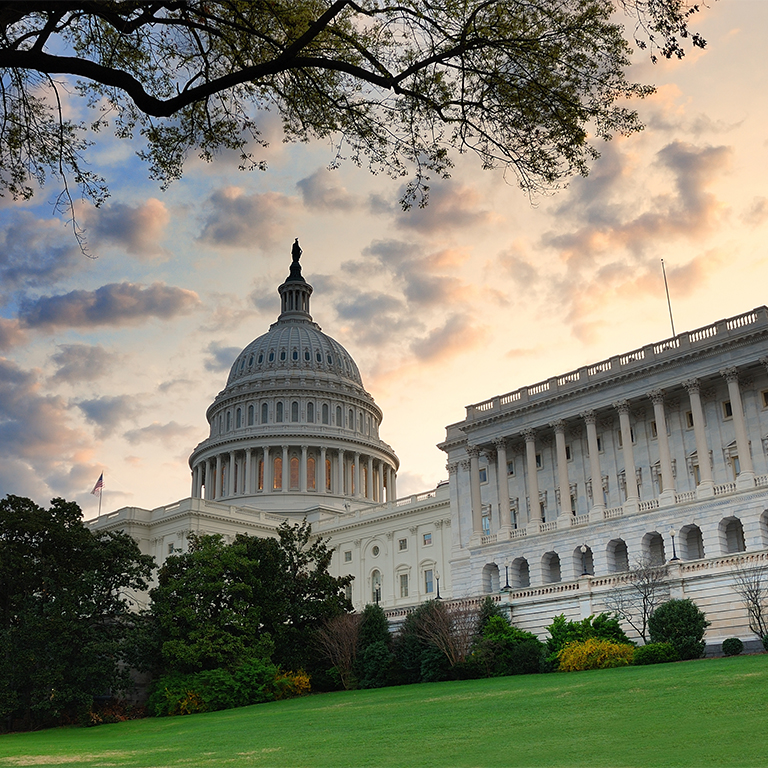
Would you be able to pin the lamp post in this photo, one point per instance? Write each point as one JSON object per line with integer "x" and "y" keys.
{"x": 437, "y": 578}
{"x": 583, "y": 549}
{"x": 506, "y": 587}
{"x": 674, "y": 551}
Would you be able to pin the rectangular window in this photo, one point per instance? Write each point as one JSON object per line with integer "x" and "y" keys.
{"x": 483, "y": 474}
{"x": 402, "y": 544}
{"x": 539, "y": 462}
{"x": 403, "y": 585}
{"x": 689, "y": 420}
{"x": 171, "y": 549}
{"x": 486, "y": 525}
{"x": 427, "y": 539}
{"x": 428, "y": 581}
{"x": 348, "y": 592}
{"x": 348, "y": 556}
{"x": 510, "y": 467}
{"x": 764, "y": 395}
{"x": 599, "y": 443}
{"x": 654, "y": 430}
{"x": 568, "y": 454}
{"x": 727, "y": 410}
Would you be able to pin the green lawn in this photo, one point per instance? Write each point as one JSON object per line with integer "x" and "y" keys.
{"x": 699, "y": 713}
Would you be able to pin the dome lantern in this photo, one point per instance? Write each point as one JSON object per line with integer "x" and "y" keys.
{"x": 295, "y": 291}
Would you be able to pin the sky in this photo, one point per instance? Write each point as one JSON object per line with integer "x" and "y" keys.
{"x": 108, "y": 364}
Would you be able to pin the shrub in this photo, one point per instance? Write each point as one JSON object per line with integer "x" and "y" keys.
{"x": 506, "y": 650}
{"x": 765, "y": 642}
{"x": 681, "y": 623}
{"x": 562, "y": 632}
{"x": 288, "y": 685}
{"x": 594, "y": 653}
{"x": 732, "y": 646}
{"x": 655, "y": 653}
{"x": 375, "y": 664}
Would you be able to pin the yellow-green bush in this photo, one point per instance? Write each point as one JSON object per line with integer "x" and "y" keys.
{"x": 290, "y": 684}
{"x": 594, "y": 653}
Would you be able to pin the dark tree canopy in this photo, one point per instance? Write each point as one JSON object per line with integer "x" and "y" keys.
{"x": 65, "y": 611}
{"x": 395, "y": 86}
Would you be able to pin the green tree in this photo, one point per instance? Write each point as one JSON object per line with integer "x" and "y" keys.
{"x": 506, "y": 650}
{"x": 393, "y": 85}
{"x": 374, "y": 657}
{"x": 65, "y": 611}
{"x": 214, "y": 603}
{"x": 681, "y": 623}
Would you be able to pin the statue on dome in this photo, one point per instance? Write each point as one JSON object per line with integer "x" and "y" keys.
{"x": 296, "y": 250}
{"x": 295, "y": 266}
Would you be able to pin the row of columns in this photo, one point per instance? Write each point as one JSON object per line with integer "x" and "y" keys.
{"x": 705, "y": 486}
{"x": 211, "y": 481}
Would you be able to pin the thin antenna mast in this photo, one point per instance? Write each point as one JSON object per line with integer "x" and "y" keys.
{"x": 669, "y": 303}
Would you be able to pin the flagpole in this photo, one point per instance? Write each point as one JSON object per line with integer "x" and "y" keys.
{"x": 101, "y": 493}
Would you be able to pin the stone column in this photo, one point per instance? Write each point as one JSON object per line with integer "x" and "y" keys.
{"x": 217, "y": 487}
{"x": 534, "y": 507}
{"x": 706, "y": 486}
{"x": 210, "y": 480}
{"x": 474, "y": 489}
{"x": 195, "y": 473}
{"x": 563, "y": 483}
{"x": 357, "y": 474}
{"x": 369, "y": 479}
{"x": 268, "y": 482}
{"x": 303, "y": 469}
{"x": 667, "y": 495}
{"x": 340, "y": 473}
{"x": 746, "y": 478}
{"x": 505, "y": 515}
{"x": 231, "y": 475}
{"x": 247, "y": 489}
{"x": 321, "y": 479}
{"x": 380, "y": 465}
{"x": 393, "y": 481}
{"x": 286, "y": 471}
{"x": 622, "y": 406}
{"x": 598, "y": 501}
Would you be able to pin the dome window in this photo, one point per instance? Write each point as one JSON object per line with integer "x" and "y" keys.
{"x": 311, "y": 413}
{"x": 229, "y": 420}
{"x": 279, "y": 412}
{"x": 282, "y": 354}
{"x": 329, "y": 359}
{"x": 238, "y": 418}
{"x": 250, "y": 361}
{"x": 264, "y": 413}
{"x": 294, "y": 411}
{"x": 242, "y": 365}
{"x": 250, "y": 415}
{"x": 295, "y": 354}
{"x": 261, "y": 358}
{"x": 307, "y": 356}
{"x": 325, "y": 413}
{"x": 318, "y": 356}
{"x": 271, "y": 357}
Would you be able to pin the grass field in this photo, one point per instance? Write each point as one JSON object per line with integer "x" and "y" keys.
{"x": 699, "y": 713}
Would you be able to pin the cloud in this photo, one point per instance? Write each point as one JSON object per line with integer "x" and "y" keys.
{"x": 35, "y": 252}
{"x": 757, "y": 213}
{"x": 220, "y": 358}
{"x": 36, "y": 440}
{"x": 451, "y": 206}
{"x": 227, "y": 314}
{"x": 139, "y": 229}
{"x": 11, "y": 333}
{"x": 113, "y": 304}
{"x": 81, "y": 362}
{"x": 320, "y": 192}
{"x": 455, "y": 335}
{"x": 107, "y": 412}
{"x": 168, "y": 434}
{"x": 236, "y": 219}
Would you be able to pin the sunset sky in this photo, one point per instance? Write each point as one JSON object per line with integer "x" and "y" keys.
{"x": 108, "y": 364}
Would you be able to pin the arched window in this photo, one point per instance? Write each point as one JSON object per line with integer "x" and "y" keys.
{"x": 490, "y": 578}
{"x": 294, "y": 473}
{"x": 272, "y": 357}
{"x": 277, "y": 473}
{"x": 294, "y": 411}
{"x": 520, "y": 573}
{"x": 264, "y": 413}
{"x": 732, "y": 531}
{"x": 311, "y": 473}
{"x": 617, "y": 556}
{"x": 325, "y": 413}
{"x": 229, "y": 420}
{"x": 282, "y": 354}
{"x": 279, "y": 412}
{"x": 295, "y": 354}
{"x": 250, "y": 415}
{"x": 691, "y": 542}
{"x": 307, "y": 356}
{"x": 550, "y": 568}
{"x": 653, "y": 548}
{"x": 327, "y": 474}
{"x": 583, "y": 561}
{"x": 311, "y": 413}
{"x": 339, "y": 419}
{"x": 318, "y": 356}
{"x": 238, "y": 418}
{"x": 376, "y": 587}
{"x": 351, "y": 423}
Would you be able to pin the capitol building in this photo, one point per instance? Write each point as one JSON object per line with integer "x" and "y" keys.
{"x": 553, "y": 491}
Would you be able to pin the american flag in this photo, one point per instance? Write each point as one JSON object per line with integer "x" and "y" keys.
{"x": 99, "y": 487}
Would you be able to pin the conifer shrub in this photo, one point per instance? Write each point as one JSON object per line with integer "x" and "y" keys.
{"x": 655, "y": 653}
{"x": 682, "y": 623}
{"x": 506, "y": 650}
{"x": 594, "y": 653}
{"x": 732, "y": 646}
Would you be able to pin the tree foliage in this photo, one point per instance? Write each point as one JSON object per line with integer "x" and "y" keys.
{"x": 506, "y": 650}
{"x": 681, "y": 623}
{"x": 562, "y": 632}
{"x": 215, "y": 603}
{"x": 395, "y": 86}
{"x": 65, "y": 611}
